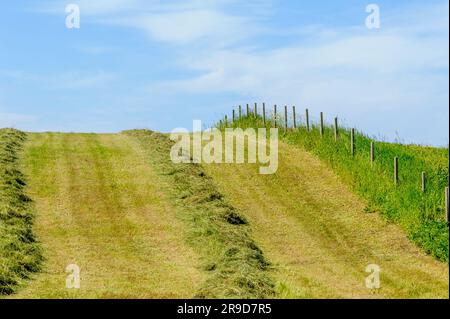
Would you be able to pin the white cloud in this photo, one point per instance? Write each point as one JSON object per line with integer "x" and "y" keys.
{"x": 175, "y": 22}
{"x": 190, "y": 26}
{"x": 400, "y": 70}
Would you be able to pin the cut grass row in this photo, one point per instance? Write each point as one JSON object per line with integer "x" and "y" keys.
{"x": 422, "y": 215}
{"x": 20, "y": 254}
{"x": 216, "y": 231}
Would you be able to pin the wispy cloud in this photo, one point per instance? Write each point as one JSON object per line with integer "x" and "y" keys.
{"x": 228, "y": 47}
{"x": 187, "y": 27}
{"x": 180, "y": 22}
{"x": 400, "y": 71}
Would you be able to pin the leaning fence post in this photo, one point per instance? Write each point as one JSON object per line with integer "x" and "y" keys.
{"x": 321, "y": 124}
{"x": 307, "y": 119}
{"x": 336, "y": 129}
{"x": 352, "y": 141}
{"x": 285, "y": 118}
{"x": 396, "y": 170}
{"x": 424, "y": 182}
{"x": 446, "y": 204}
{"x": 294, "y": 117}
{"x": 372, "y": 153}
{"x": 264, "y": 114}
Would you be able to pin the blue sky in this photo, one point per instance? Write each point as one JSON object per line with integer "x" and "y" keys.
{"x": 161, "y": 64}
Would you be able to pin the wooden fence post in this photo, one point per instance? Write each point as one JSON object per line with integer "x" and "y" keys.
{"x": 226, "y": 121}
{"x": 275, "y": 114}
{"x": 264, "y": 114}
{"x": 285, "y": 118}
{"x": 248, "y": 110}
{"x": 372, "y": 153}
{"x": 446, "y": 204}
{"x": 240, "y": 112}
{"x": 294, "y": 117}
{"x": 307, "y": 119}
{"x": 396, "y": 170}
{"x": 336, "y": 129}
{"x": 234, "y": 116}
{"x": 256, "y": 109}
{"x": 424, "y": 182}
{"x": 352, "y": 142}
{"x": 321, "y": 124}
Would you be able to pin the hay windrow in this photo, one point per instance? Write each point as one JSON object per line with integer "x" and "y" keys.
{"x": 216, "y": 230}
{"x": 20, "y": 254}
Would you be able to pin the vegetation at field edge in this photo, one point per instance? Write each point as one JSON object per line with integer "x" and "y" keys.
{"x": 421, "y": 214}
{"x": 20, "y": 254}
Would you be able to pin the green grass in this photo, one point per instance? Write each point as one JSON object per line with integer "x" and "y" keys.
{"x": 99, "y": 206}
{"x": 216, "y": 230}
{"x": 422, "y": 215}
{"x": 20, "y": 255}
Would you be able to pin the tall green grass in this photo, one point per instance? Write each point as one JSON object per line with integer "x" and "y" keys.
{"x": 19, "y": 253}
{"x": 422, "y": 215}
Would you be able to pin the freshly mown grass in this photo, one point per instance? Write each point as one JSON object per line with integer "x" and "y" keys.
{"x": 422, "y": 215}
{"x": 20, "y": 255}
{"x": 215, "y": 229}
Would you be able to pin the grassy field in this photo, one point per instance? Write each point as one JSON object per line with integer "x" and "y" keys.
{"x": 20, "y": 255}
{"x": 421, "y": 215}
{"x": 140, "y": 226}
{"x": 99, "y": 207}
{"x": 136, "y": 224}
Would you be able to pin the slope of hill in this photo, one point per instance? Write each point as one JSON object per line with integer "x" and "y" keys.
{"x": 319, "y": 238}
{"x": 140, "y": 226}
{"x": 421, "y": 214}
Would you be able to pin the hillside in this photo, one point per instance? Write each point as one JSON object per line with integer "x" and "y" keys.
{"x": 420, "y": 213}
{"x": 20, "y": 255}
{"x": 140, "y": 226}
{"x": 318, "y": 236}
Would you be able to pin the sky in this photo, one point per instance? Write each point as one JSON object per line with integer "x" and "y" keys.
{"x": 161, "y": 64}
